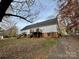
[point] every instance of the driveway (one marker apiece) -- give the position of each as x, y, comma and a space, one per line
66, 48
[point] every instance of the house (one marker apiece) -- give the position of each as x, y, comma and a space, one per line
49, 28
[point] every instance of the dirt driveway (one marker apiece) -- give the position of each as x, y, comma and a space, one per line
67, 48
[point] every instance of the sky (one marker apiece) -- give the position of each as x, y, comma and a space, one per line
46, 8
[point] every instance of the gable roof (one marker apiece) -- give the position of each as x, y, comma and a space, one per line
40, 24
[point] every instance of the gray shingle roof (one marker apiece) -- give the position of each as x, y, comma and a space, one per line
40, 24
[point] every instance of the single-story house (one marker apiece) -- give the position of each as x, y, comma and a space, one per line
49, 28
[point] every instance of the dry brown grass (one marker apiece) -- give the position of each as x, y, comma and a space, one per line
26, 48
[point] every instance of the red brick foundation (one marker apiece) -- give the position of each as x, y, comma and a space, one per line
51, 34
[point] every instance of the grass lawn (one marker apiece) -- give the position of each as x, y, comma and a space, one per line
26, 48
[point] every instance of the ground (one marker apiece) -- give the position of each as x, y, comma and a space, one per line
43, 48
34, 48
67, 48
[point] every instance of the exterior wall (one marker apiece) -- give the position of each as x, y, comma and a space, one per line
45, 35
48, 31
50, 28
27, 32
51, 34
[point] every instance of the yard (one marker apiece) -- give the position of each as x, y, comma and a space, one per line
26, 48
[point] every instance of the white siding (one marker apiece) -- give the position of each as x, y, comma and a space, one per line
28, 31
50, 28
45, 29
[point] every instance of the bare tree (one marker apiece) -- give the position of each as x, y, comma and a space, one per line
17, 8
69, 11
4, 4
7, 23
12, 32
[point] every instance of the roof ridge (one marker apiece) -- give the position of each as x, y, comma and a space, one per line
44, 23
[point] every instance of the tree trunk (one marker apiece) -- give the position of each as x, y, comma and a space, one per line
3, 7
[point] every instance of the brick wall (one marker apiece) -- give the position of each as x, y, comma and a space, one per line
51, 34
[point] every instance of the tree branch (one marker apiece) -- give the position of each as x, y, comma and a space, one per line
4, 4
19, 17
